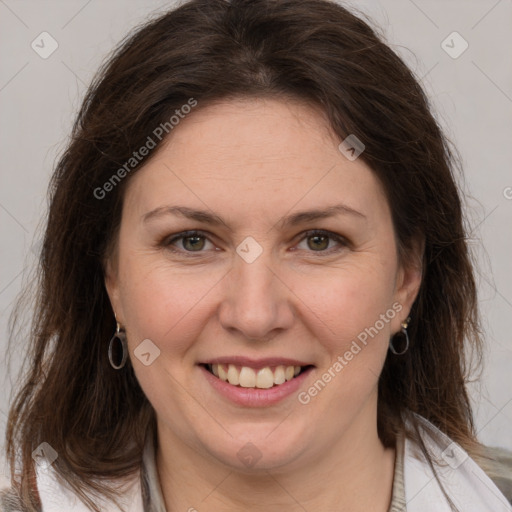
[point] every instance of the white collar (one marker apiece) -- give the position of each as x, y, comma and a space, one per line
56, 497
470, 489
464, 481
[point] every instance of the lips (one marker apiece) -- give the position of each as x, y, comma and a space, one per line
255, 396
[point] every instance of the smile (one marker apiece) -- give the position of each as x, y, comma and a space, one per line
261, 378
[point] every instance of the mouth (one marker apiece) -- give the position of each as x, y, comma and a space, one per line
256, 378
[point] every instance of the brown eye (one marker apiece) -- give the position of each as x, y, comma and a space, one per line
191, 241
319, 241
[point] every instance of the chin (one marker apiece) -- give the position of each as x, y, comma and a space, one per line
266, 450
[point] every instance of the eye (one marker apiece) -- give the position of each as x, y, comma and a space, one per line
191, 241
318, 240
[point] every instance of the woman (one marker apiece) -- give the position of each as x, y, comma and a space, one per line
255, 286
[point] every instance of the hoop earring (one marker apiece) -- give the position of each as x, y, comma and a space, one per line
403, 329
121, 337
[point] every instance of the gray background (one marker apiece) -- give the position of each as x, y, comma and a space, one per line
471, 95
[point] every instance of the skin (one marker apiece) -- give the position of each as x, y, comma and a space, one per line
253, 162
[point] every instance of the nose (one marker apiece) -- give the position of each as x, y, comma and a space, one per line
256, 303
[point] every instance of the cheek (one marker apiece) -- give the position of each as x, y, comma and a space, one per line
355, 306
348, 300
167, 306
163, 303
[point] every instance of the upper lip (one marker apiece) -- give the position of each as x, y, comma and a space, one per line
256, 363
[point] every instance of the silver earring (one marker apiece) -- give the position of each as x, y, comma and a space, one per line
403, 329
119, 336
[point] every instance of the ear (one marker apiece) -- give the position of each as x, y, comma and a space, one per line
111, 276
408, 280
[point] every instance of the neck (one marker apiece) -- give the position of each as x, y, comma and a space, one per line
355, 474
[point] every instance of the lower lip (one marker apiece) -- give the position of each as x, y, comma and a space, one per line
255, 397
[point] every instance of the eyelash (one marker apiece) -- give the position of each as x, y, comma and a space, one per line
313, 232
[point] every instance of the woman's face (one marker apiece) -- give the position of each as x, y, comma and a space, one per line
256, 287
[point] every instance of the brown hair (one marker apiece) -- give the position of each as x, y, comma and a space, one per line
313, 50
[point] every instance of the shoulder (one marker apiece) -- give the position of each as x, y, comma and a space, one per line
498, 467
491, 462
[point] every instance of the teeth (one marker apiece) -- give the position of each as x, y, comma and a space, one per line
222, 373
264, 378
279, 376
233, 375
246, 377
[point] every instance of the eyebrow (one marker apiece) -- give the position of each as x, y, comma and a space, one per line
288, 221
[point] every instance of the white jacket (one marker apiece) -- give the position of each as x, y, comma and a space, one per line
470, 489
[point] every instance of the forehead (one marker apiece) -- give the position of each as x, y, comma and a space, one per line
254, 157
